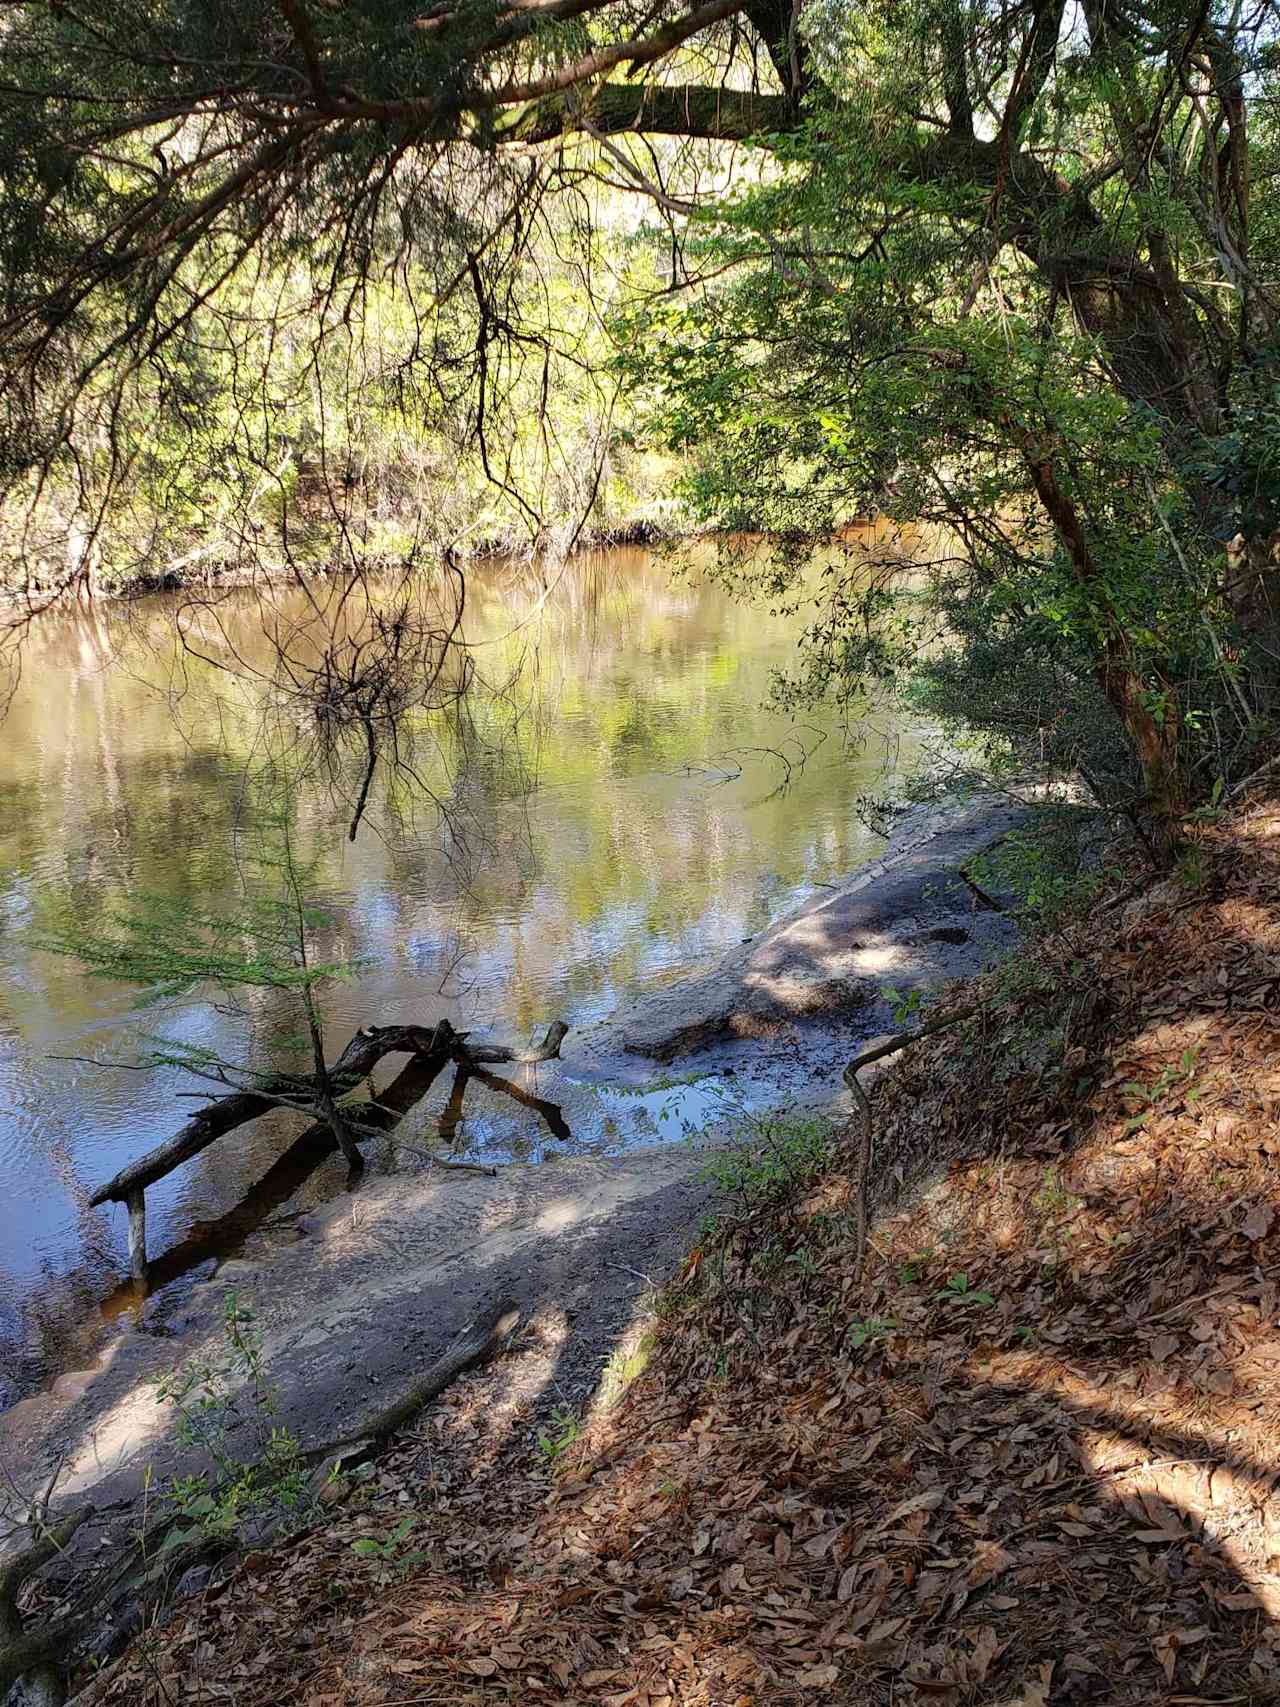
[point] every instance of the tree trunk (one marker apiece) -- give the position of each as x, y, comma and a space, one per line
1152, 727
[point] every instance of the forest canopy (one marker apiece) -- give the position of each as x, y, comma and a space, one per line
1005, 276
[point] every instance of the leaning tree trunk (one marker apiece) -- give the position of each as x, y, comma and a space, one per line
1153, 733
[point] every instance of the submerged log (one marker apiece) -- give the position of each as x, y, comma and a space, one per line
490, 1053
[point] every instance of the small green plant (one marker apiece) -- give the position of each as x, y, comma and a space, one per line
1211, 810
803, 1259
561, 1432
384, 1552
911, 1271
1053, 1198
959, 1290
903, 1004
774, 1154
769, 1258
265, 1473
1191, 871
864, 1333
626, 1364
1045, 866
1148, 1097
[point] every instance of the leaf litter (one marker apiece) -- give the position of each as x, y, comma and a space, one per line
1048, 1476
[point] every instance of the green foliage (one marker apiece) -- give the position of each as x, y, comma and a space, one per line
905, 1005
387, 1554
861, 1334
1179, 1080
170, 948
997, 282
853, 356
1048, 866
560, 1433
959, 1290
771, 1156
228, 1411
1053, 1197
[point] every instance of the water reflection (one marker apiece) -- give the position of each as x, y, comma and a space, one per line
589, 850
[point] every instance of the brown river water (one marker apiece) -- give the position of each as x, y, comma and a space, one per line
627, 826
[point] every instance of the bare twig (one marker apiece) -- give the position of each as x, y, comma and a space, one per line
877, 1052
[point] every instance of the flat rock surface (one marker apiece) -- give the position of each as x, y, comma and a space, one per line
377, 1289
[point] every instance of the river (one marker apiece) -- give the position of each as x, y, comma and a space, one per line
629, 819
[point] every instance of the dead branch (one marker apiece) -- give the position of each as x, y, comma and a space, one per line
878, 1051
980, 894
476, 1345
451, 1167
489, 1053
25, 1653
365, 1050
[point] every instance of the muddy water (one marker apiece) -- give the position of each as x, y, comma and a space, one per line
619, 820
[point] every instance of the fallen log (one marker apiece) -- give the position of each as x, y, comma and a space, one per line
365, 1050
474, 1346
291, 1170
304, 1094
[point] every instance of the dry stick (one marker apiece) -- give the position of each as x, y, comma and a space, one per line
985, 900
440, 1162
890, 1046
476, 1345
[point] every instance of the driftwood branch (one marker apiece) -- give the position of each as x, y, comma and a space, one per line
491, 1053
877, 1052
448, 1166
475, 1345
365, 1050
345, 1126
